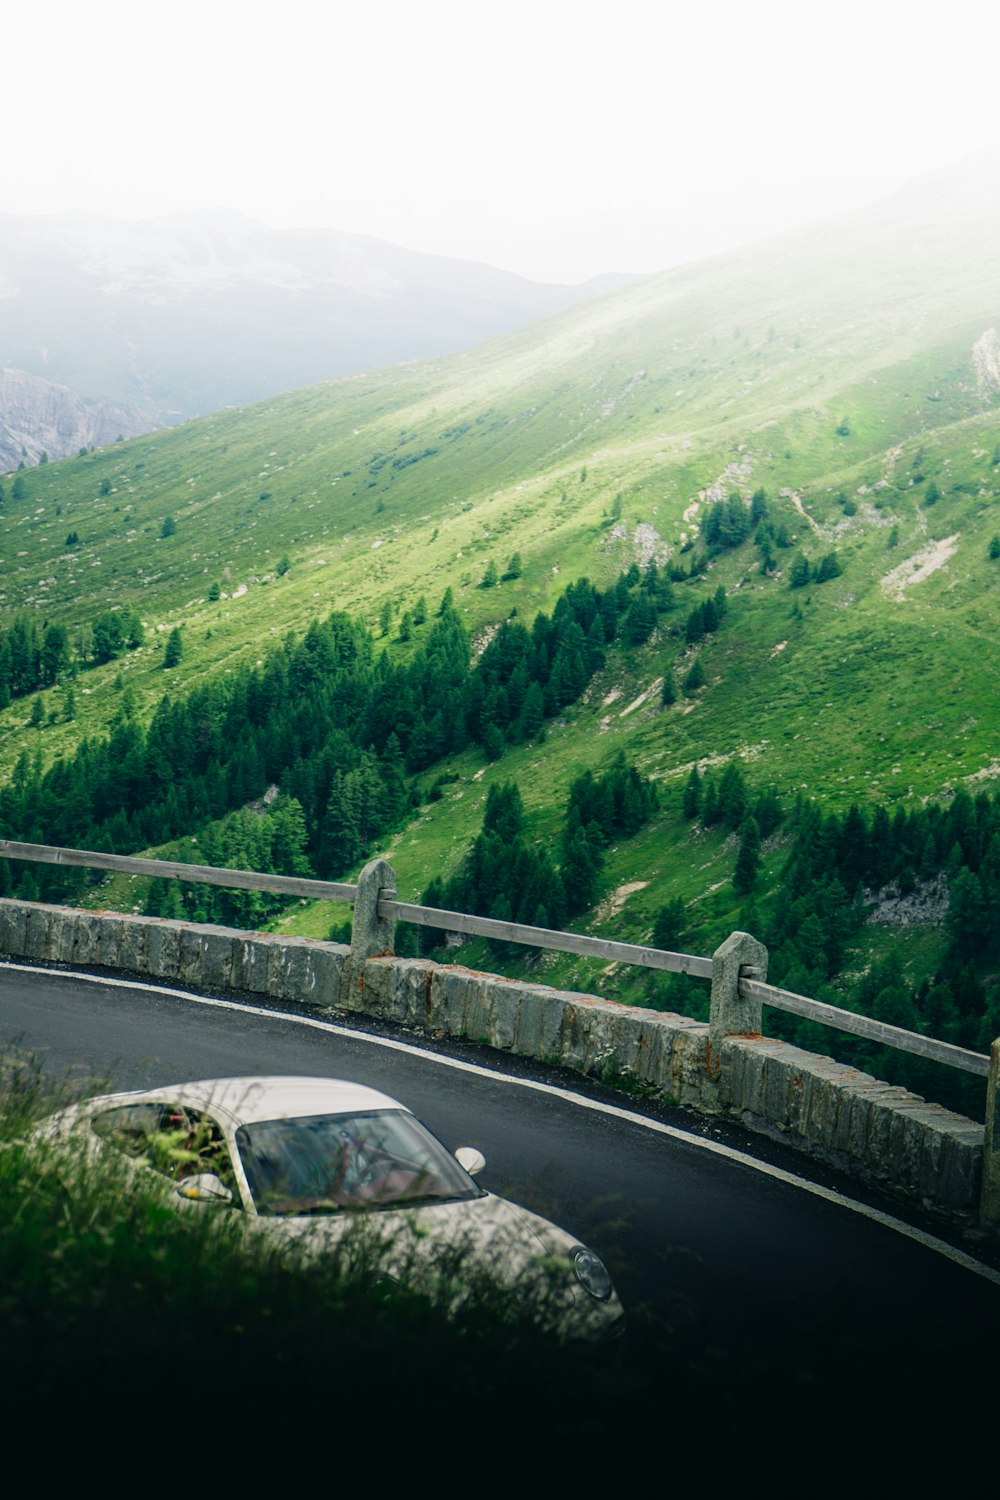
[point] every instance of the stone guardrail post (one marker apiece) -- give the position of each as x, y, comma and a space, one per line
371, 934
729, 1013
989, 1201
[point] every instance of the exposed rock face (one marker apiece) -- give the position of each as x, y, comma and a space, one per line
986, 362
38, 417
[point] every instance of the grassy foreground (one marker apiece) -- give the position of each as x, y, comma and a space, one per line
116, 1305
121, 1318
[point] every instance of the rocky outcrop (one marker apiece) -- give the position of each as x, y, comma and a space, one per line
986, 362
39, 417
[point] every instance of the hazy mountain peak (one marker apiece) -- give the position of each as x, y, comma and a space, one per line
171, 317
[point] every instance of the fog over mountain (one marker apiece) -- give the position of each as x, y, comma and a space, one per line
147, 324
735, 525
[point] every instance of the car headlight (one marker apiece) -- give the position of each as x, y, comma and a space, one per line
592, 1273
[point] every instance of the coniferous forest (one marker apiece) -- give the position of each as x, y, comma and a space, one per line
770, 707
341, 731
304, 764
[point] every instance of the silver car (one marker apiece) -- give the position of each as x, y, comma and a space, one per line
311, 1161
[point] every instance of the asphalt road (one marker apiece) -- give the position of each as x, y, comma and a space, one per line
728, 1258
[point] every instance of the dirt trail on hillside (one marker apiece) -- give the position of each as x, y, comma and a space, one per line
612, 905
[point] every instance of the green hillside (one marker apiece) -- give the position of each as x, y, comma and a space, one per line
851, 373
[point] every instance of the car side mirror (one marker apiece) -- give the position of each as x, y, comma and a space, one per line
204, 1188
472, 1160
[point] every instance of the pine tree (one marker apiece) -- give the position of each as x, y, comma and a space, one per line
640, 620
732, 801
748, 858
594, 649
341, 833
694, 630
800, 572
668, 692
285, 826
767, 811
174, 649
695, 678
852, 850
54, 655
581, 869
692, 794
879, 863
669, 924
532, 713
966, 917
108, 640
493, 742
504, 814
391, 774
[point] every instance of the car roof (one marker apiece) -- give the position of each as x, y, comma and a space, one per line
269, 1098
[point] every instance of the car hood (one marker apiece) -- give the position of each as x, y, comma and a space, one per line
487, 1228
451, 1250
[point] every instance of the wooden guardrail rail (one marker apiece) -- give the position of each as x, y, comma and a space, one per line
544, 937
874, 1031
736, 1004
165, 869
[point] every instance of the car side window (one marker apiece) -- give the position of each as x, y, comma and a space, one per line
171, 1138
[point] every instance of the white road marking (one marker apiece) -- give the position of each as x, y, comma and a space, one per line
899, 1226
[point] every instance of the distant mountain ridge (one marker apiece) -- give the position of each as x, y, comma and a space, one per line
171, 318
802, 434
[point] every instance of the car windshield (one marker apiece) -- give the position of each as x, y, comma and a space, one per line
322, 1164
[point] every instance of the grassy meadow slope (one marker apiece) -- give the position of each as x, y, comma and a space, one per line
847, 370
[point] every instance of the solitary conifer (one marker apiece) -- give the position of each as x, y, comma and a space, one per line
174, 649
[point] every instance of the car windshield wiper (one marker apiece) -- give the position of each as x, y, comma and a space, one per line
296, 1210
418, 1200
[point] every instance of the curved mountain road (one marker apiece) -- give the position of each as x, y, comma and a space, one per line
691, 1218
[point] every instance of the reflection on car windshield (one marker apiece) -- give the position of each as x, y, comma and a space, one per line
325, 1163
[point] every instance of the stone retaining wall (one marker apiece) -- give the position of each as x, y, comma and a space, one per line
918, 1151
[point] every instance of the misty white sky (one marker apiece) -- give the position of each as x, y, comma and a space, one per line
558, 138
